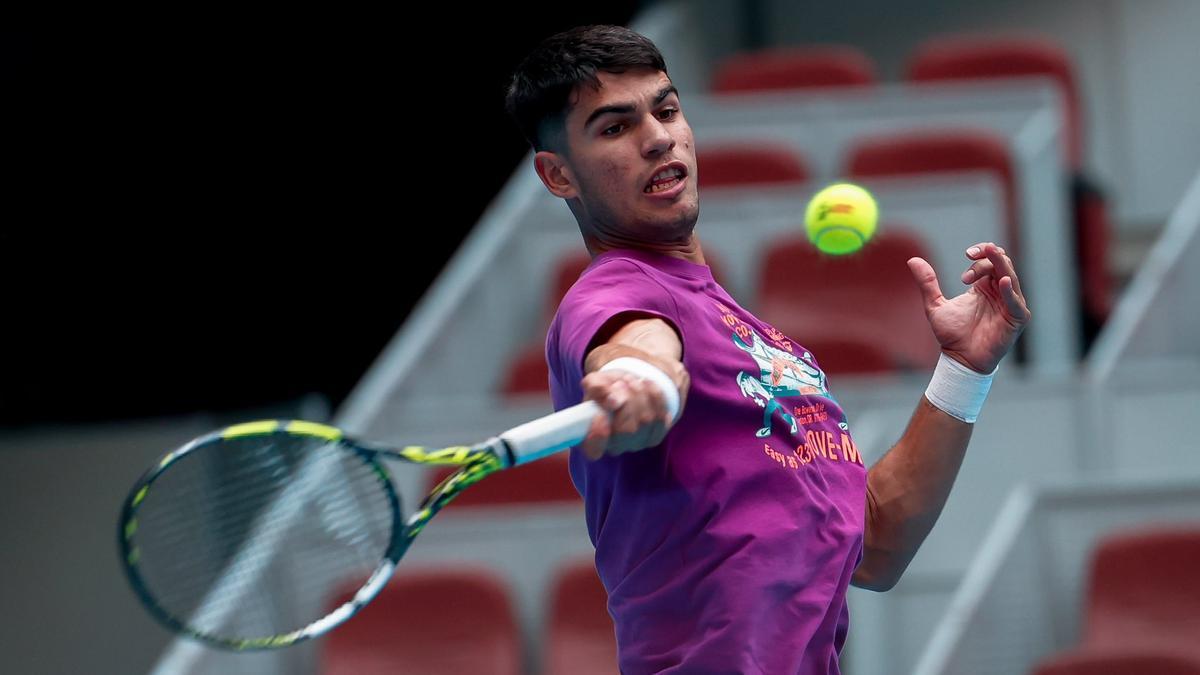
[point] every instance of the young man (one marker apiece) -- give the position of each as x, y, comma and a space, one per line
727, 541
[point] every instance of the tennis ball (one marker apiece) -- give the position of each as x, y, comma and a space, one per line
841, 218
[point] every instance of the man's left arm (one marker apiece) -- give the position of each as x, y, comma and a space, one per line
908, 487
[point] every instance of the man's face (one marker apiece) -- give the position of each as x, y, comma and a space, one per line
630, 160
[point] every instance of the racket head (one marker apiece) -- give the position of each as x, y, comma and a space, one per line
218, 535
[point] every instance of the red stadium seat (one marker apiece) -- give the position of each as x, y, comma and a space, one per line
442, 622
1093, 232
924, 152
794, 68
1098, 661
1141, 607
851, 355
541, 482
580, 639
986, 58
528, 373
1145, 587
748, 164
566, 272
981, 58
865, 308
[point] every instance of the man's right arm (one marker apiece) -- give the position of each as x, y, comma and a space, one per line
637, 409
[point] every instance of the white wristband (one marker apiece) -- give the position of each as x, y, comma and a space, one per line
957, 390
647, 371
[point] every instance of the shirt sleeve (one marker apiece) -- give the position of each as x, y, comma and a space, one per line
613, 287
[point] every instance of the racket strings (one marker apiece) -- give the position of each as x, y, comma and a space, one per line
245, 539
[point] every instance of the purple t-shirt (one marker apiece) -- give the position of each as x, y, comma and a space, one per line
727, 548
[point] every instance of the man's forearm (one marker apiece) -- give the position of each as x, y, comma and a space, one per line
906, 491
651, 340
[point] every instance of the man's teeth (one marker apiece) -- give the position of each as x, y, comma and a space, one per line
664, 180
659, 187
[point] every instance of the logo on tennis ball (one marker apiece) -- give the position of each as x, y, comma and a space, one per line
841, 218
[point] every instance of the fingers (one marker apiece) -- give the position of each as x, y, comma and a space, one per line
977, 271
926, 278
1004, 266
636, 414
641, 420
600, 388
597, 437
1014, 300
977, 251
992, 262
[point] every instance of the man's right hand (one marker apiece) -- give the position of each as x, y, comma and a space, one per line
638, 415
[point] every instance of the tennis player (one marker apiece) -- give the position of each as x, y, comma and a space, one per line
727, 542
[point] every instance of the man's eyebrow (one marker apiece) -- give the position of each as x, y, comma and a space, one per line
622, 108
664, 93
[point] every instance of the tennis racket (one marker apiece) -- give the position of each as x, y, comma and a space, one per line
221, 537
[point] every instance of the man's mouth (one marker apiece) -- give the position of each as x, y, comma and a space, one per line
664, 180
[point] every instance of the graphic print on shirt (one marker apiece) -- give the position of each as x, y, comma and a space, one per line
780, 374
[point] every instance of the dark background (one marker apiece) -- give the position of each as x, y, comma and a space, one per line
214, 213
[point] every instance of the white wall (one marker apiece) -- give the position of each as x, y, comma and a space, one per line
1159, 87
67, 606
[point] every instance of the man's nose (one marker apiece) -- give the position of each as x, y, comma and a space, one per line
658, 139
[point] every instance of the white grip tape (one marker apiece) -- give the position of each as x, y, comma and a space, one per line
552, 433
650, 373
957, 390
568, 427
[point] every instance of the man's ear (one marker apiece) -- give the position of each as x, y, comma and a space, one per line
556, 174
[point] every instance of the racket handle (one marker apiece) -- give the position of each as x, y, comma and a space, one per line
550, 434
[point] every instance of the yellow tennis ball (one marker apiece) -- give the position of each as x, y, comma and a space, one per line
841, 218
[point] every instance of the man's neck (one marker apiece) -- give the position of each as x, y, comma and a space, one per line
691, 250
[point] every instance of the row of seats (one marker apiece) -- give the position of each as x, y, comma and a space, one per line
1140, 616
898, 154
1142, 607
957, 59
941, 59
461, 620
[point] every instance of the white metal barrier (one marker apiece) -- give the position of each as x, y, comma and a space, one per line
1020, 601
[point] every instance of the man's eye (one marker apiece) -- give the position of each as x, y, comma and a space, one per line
667, 114
613, 130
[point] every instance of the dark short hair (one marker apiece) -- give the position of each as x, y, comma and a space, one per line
540, 91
